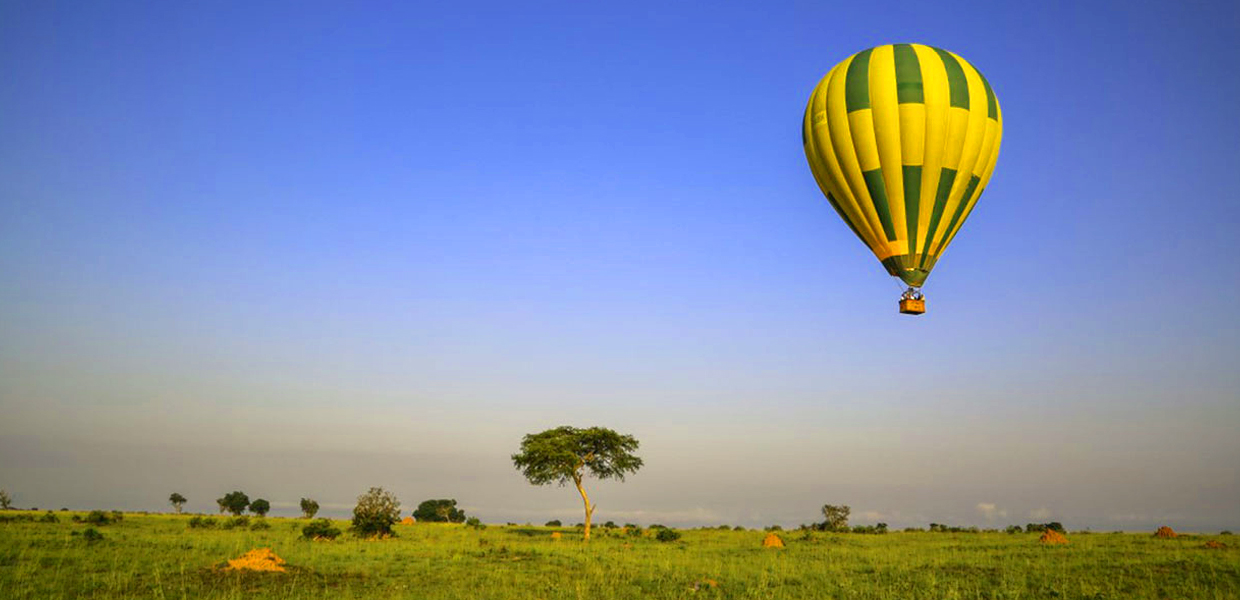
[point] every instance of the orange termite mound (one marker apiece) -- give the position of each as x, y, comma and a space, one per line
772, 541
1213, 545
261, 559
1164, 532
1050, 536
555, 535
407, 521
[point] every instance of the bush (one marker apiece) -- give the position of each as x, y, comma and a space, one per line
201, 522
666, 535
49, 517
1013, 529
738, 528
610, 525
236, 522
320, 529
634, 531
376, 512
98, 517
871, 529
260, 525
1224, 532
774, 528
1041, 527
92, 535
476, 523
554, 523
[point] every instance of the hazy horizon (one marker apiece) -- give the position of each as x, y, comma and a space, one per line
305, 252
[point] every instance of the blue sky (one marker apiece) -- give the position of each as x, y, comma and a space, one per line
379, 243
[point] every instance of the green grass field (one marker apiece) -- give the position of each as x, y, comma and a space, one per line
158, 556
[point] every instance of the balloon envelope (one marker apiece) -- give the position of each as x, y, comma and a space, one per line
902, 140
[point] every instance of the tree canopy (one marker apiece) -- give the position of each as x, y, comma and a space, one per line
177, 501
309, 508
565, 454
260, 507
439, 511
234, 502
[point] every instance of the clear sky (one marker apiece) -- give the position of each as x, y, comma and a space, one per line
305, 249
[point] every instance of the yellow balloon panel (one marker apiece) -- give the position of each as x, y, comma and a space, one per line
902, 140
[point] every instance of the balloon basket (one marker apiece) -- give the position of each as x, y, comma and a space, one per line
912, 302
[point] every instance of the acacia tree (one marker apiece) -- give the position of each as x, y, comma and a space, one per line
177, 501
567, 454
6, 501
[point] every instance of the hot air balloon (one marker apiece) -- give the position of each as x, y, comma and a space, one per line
902, 140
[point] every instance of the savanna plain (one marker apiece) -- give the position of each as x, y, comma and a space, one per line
160, 556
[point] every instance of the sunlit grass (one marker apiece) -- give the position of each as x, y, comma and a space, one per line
158, 556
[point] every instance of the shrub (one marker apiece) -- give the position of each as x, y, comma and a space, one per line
98, 517
201, 522
774, 528
49, 517
738, 528
320, 529
554, 523
1041, 527
476, 523
260, 525
235, 522
92, 535
1224, 532
666, 535
610, 525
1013, 529
632, 526
634, 531
872, 529
376, 512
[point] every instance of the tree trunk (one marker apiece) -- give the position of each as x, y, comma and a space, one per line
585, 500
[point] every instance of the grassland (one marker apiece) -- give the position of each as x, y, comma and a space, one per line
158, 556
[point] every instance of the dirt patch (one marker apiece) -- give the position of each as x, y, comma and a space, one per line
1165, 532
772, 541
1213, 545
260, 559
703, 585
1050, 536
407, 521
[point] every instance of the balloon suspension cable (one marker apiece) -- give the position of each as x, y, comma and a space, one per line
912, 293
